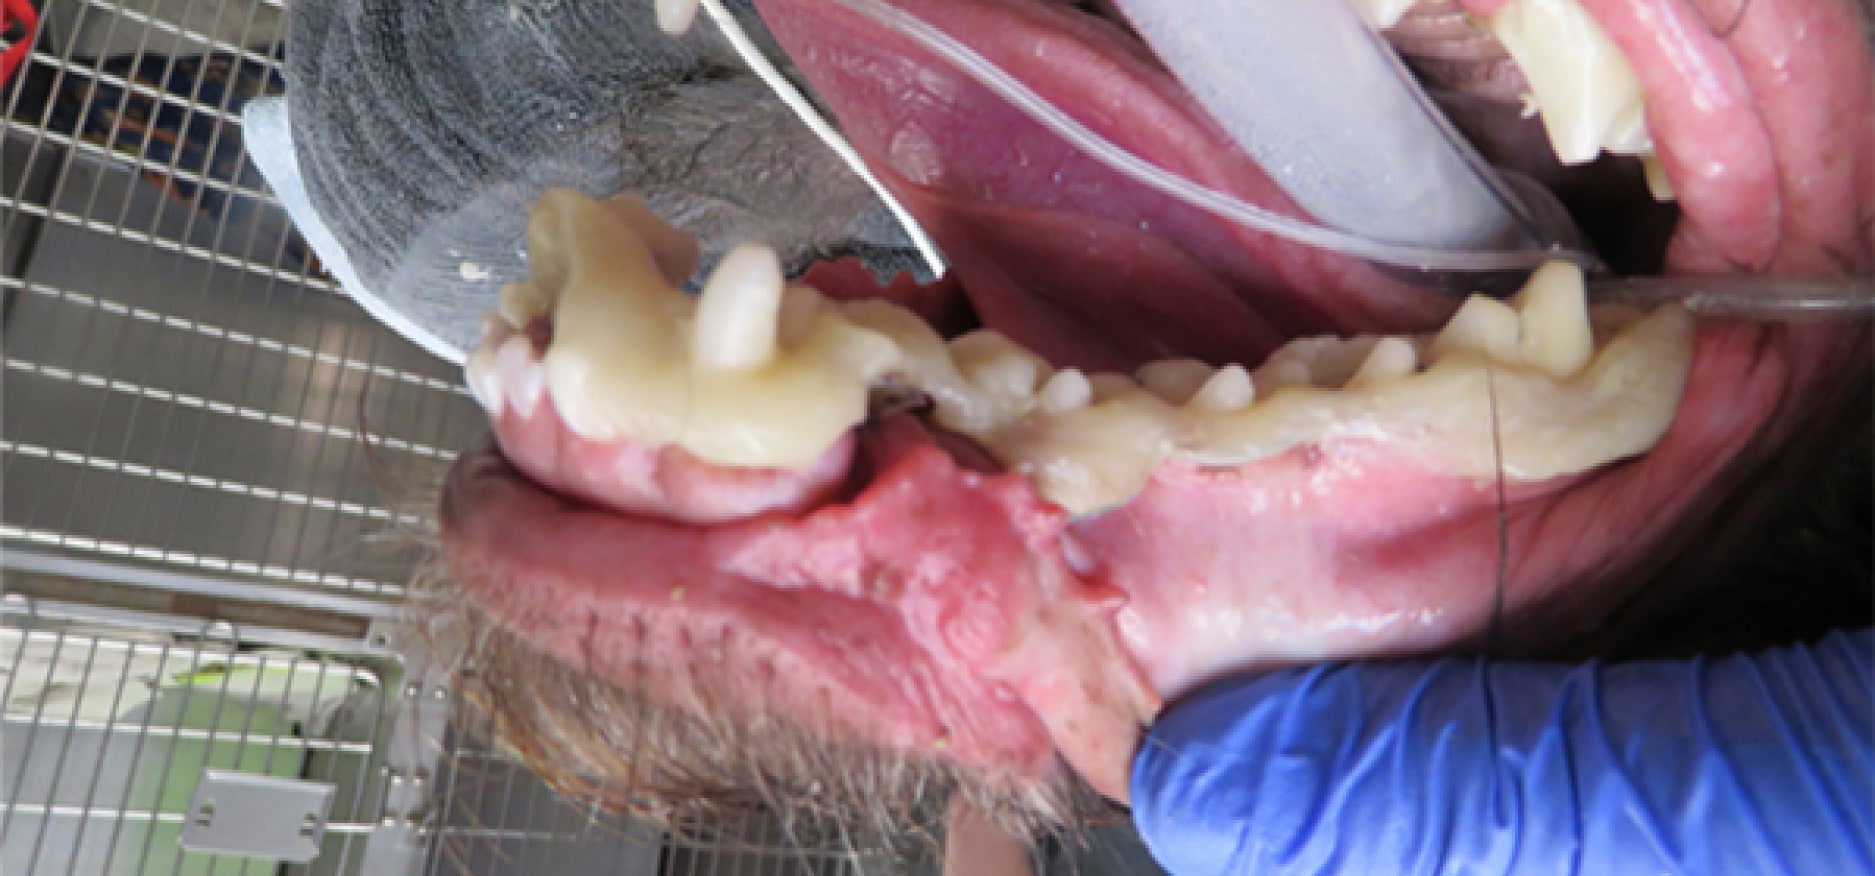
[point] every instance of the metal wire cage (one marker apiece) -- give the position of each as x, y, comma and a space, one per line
203, 673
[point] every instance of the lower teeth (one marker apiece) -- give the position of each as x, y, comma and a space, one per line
1560, 388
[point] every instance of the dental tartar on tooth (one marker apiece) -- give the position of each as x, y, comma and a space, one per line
760, 374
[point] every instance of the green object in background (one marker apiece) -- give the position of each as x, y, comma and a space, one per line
252, 716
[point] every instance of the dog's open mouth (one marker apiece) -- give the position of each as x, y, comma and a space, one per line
999, 518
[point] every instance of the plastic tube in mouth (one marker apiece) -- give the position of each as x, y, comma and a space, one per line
1521, 251
1323, 104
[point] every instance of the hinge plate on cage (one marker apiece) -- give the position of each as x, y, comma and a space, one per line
257, 816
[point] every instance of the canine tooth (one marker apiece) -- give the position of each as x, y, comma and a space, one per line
479, 374
1390, 359
1485, 325
1657, 183
1587, 92
738, 311
523, 375
1068, 390
1108, 386
1230, 389
1174, 380
1555, 320
675, 16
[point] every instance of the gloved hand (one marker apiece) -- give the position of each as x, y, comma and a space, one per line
1748, 764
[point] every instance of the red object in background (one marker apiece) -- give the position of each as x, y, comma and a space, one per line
16, 14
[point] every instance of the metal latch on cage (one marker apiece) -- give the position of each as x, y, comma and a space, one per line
257, 816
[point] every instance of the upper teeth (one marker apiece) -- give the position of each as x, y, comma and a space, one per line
760, 374
1585, 89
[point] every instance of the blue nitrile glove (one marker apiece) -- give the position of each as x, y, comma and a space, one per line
1748, 764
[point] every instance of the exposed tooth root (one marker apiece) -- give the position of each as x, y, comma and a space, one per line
738, 311
1658, 184
1110, 386
479, 373
1068, 390
1230, 389
1174, 380
1483, 325
523, 375
675, 16
1389, 360
1555, 320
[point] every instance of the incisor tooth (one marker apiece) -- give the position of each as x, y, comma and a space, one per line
1390, 359
1555, 320
1068, 390
675, 16
523, 375
1484, 325
1588, 94
1174, 380
738, 311
1230, 389
479, 373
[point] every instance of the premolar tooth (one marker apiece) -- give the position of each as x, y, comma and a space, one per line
1281, 373
523, 375
1230, 389
1555, 320
1390, 359
1485, 325
1068, 390
479, 373
994, 363
738, 311
675, 16
1109, 386
1174, 380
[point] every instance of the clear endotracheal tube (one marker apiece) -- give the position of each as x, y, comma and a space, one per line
1402, 190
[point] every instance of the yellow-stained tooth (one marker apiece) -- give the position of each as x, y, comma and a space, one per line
1066, 391
1485, 325
1174, 381
995, 364
1107, 387
739, 312
1555, 320
1390, 359
1587, 92
1230, 389
1658, 184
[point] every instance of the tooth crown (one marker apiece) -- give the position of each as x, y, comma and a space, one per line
758, 374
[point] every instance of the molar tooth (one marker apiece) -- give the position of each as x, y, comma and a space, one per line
1174, 380
1281, 373
1068, 390
1390, 359
479, 373
1230, 389
738, 311
524, 375
1482, 324
1555, 319
675, 16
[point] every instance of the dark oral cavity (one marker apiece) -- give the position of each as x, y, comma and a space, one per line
1354, 554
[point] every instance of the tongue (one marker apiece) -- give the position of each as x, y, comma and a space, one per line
1053, 248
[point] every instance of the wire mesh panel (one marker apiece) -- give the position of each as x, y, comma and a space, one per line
182, 384
109, 730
